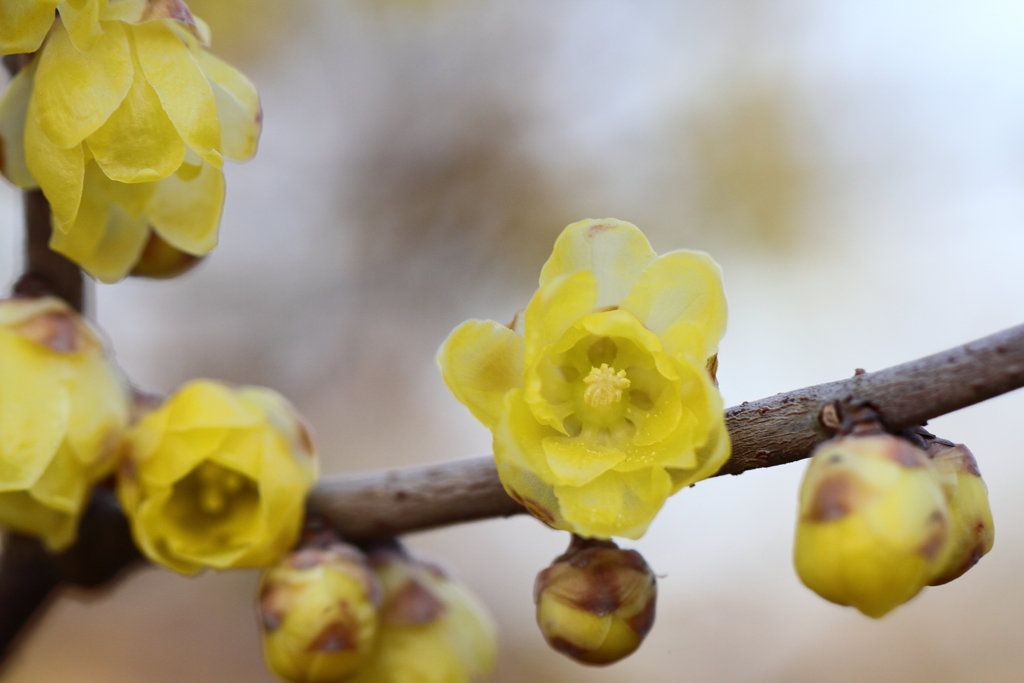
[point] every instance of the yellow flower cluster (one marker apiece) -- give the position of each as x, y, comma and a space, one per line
327, 617
880, 519
63, 410
604, 405
214, 477
217, 477
122, 118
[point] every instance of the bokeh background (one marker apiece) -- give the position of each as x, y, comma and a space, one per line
857, 167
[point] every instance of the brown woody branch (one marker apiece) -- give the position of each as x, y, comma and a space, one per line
772, 431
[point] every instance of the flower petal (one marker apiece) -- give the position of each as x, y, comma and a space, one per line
238, 106
23, 25
13, 112
615, 503
616, 251
82, 19
186, 210
559, 303
481, 361
105, 239
58, 171
184, 92
76, 92
576, 462
138, 143
680, 298
34, 402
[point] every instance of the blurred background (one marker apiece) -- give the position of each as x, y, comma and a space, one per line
857, 168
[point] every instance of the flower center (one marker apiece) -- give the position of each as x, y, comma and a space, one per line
605, 385
217, 486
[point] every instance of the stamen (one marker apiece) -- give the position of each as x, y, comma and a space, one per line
606, 386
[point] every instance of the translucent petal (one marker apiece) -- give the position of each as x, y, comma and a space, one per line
238, 106
615, 503
130, 11
76, 92
19, 511
34, 411
555, 307
13, 112
481, 361
183, 90
576, 462
23, 25
680, 298
105, 238
186, 210
63, 486
616, 251
138, 143
82, 19
58, 171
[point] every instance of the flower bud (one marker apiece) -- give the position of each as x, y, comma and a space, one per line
318, 612
63, 411
596, 602
432, 629
160, 261
971, 528
874, 523
217, 477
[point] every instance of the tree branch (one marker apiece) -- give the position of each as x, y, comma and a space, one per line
772, 431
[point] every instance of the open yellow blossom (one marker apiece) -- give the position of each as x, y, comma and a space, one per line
63, 410
604, 406
126, 131
217, 477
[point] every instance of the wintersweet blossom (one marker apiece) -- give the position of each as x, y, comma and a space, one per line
217, 477
63, 411
604, 405
123, 123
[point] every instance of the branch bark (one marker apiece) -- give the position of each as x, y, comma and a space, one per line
772, 431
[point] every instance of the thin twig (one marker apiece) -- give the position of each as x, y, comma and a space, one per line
772, 431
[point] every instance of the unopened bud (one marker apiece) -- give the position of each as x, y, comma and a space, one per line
874, 523
432, 629
160, 261
318, 612
971, 528
596, 602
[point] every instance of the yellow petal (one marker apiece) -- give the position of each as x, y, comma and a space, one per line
105, 239
138, 143
576, 462
82, 19
58, 171
34, 411
616, 251
13, 111
186, 210
76, 92
23, 25
481, 361
555, 306
238, 106
63, 486
680, 298
130, 11
183, 90
19, 511
615, 503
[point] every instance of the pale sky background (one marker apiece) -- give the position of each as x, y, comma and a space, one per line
857, 168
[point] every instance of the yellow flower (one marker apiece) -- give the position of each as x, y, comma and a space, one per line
874, 525
596, 602
604, 406
125, 131
318, 612
432, 630
217, 477
63, 410
972, 531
